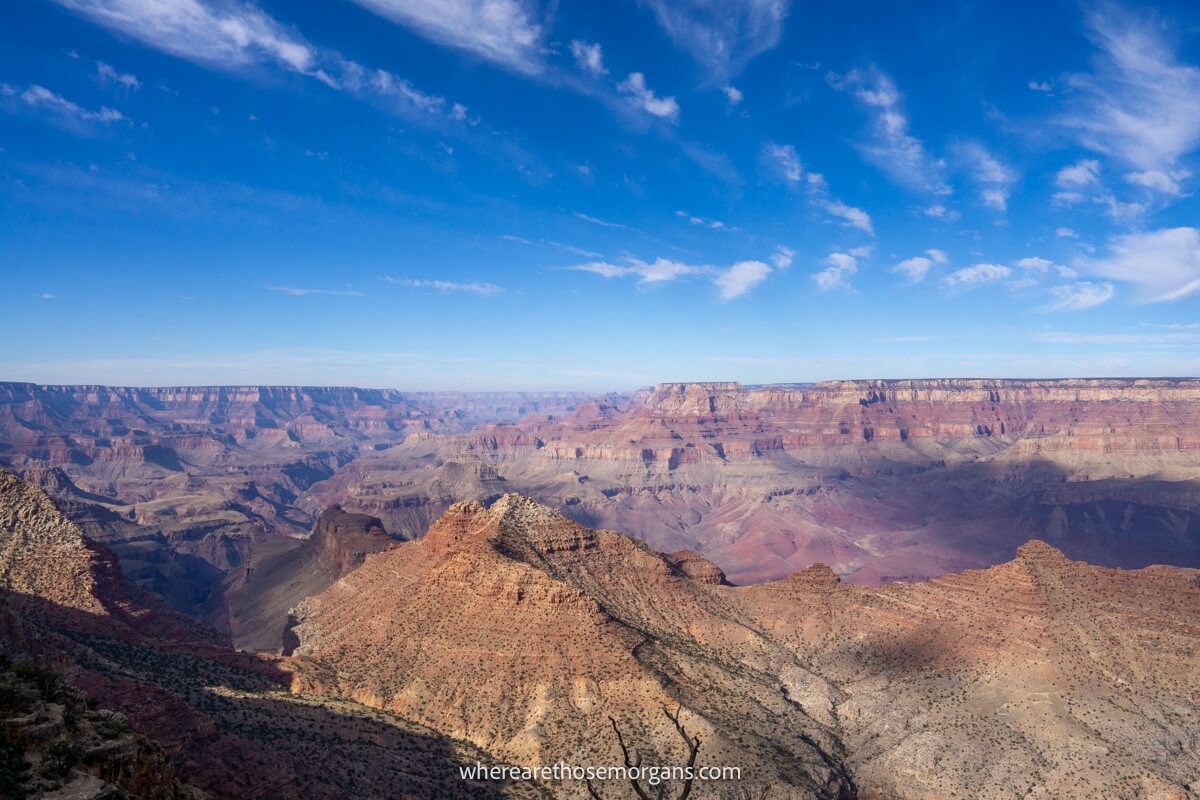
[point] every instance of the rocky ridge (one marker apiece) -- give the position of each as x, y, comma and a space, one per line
225, 719
522, 631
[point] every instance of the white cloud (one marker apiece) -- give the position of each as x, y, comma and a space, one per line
704, 222
1065, 233
570, 248
658, 271
40, 97
603, 223
893, 149
783, 256
227, 35
48, 296
1080, 296
1040, 86
732, 94
233, 35
109, 74
722, 36
589, 57
837, 275
731, 282
444, 286
1084, 172
661, 107
915, 268
977, 275
1119, 209
852, 217
1130, 105
502, 31
1164, 264
995, 177
1158, 181
1035, 264
741, 278
939, 211
783, 161
293, 291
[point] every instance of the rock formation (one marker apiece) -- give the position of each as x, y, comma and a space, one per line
883, 480
224, 719
280, 573
521, 631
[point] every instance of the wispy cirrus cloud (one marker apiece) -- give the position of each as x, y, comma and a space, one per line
1129, 105
660, 270
474, 287
603, 223
1163, 265
232, 35
39, 98
783, 162
994, 177
1080, 296
296, 291
225, 35
722, 36
110, 74
892, 147
731, 282
505, 32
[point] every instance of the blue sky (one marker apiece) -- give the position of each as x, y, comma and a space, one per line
494, 194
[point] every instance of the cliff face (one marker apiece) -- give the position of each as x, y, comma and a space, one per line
255, 602
223, 720
183, 483
522, 631
883, 480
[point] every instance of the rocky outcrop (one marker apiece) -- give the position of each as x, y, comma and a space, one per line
522, 631
53, 745
517, 629
223, 718
254, 605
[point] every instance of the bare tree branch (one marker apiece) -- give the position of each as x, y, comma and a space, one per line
693, 743
636, 762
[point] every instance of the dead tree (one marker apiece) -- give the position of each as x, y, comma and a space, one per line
634, 761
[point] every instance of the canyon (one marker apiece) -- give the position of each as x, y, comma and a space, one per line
204, 492
511, 634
